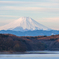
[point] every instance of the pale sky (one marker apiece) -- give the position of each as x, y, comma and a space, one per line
45, 12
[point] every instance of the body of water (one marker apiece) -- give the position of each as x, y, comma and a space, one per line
54, 55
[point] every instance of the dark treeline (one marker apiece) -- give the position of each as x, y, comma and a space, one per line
12, 43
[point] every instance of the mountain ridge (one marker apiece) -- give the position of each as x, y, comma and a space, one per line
12, 43
31, 33
24, 24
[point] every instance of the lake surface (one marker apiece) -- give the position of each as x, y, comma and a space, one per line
54, 55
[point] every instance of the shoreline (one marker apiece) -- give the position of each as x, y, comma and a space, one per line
32, 52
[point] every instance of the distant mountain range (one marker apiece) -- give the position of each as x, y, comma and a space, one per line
24, 24
31, 33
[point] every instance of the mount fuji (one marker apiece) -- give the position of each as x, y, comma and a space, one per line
24, 24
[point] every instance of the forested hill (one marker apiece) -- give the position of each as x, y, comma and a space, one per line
13, 43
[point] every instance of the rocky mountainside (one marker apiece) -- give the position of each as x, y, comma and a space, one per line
12, 43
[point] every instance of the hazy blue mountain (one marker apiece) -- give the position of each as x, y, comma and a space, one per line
31, 33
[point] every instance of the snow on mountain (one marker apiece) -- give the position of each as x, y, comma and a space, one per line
24, 24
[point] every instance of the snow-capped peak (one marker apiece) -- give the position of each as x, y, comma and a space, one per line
23, 24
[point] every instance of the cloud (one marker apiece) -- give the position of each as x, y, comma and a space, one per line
52, 23
30, 8
8, 16
54, 19
16, 2
31, 3
19, 8
10, 2
54, 0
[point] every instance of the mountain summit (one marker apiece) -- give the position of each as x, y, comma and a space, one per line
24, 24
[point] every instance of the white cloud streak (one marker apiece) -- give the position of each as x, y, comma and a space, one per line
16, 2
54, 0
8, 16
55, 19
31, 3
13, 2
41, 4
30, 8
